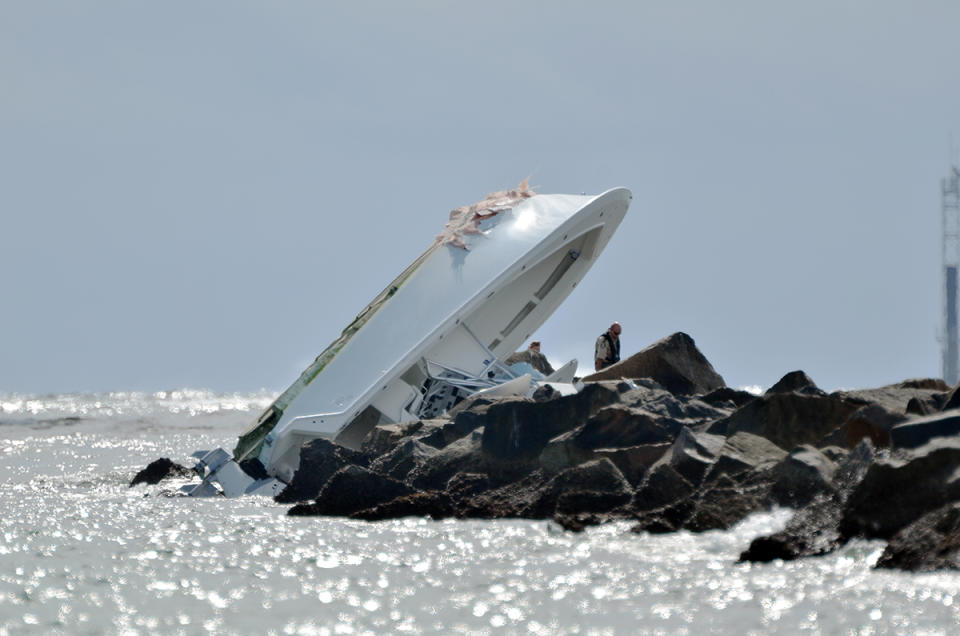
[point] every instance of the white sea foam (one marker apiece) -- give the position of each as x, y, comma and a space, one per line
82, 553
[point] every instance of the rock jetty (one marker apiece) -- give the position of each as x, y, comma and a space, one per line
659, 439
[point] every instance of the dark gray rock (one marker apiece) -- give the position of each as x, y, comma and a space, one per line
725, 502
789, 419
692, 454
932, 542
158, 470
663, 487
674, 362
634, 461
519, 430
728, 398
620, 426
350, 490
563, 452
795, 382
815, 528
801, 476
464, 455
408, 456
898, 490
918, 431
428, 503
812, 531
384, 437
319, 459
743, 453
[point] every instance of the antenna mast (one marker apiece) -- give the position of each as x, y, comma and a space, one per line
950, 206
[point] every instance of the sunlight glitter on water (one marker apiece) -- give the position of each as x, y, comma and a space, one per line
82, 553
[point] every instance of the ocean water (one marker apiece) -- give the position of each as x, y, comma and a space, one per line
81, 553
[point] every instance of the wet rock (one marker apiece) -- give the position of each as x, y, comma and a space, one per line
464, 485
812, 531
932, 542
428, 503
160, 469
595, 486
795, 382
352, 489
319, 459
789, 419
897, 490
725, 503
815, 528
674, 362
515, 499
918, 431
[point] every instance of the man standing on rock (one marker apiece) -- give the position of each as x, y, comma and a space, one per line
607, 351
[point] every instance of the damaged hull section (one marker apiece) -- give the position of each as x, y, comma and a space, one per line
436, 334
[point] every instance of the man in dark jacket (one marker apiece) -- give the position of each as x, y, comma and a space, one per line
607, 350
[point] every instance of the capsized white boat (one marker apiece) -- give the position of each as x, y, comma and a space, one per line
435, 335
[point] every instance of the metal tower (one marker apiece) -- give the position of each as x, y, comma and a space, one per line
950, 198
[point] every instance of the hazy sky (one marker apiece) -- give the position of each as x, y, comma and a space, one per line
203, 194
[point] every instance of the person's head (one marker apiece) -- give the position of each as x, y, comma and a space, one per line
615, 329
535, 346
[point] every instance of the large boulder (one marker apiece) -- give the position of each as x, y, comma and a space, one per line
725, 502
789, 419
662, 487
674, 362
634, 461
898, 490
351, 489
618, 426
408, 456
742, 454
463, 456
519, 430
815, 528
932, 542
320, 458
801, 476
595, 486
692, 454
